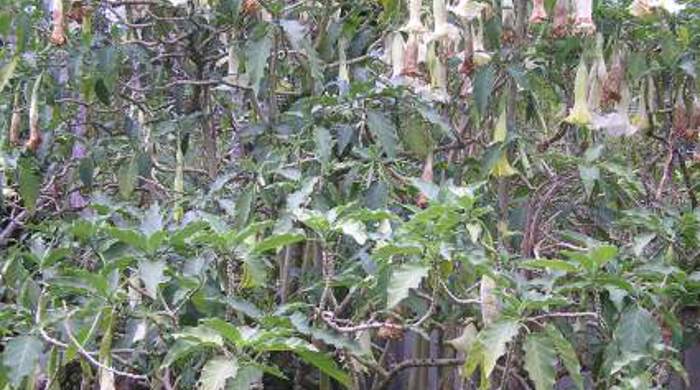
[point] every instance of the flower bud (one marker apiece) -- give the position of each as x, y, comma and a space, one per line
580, 114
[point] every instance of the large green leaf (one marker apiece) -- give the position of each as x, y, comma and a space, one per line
384, 131
566, 354
29, 182
404, 278
152, 273
483, 87
277, 241
326, 365
216, 372
490, 346
7, 72
256, 53
540, 360
21, 356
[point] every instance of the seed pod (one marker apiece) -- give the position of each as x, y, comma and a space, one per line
34, 140
15, 121
539, 13
58, 34
580, 114
584, 17
561, 18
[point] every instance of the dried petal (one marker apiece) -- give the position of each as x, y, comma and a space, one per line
580, 114
611, 87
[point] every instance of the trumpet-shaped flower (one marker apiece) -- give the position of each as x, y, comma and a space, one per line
467, 10
438, 74
58, 34
584, 17
397, 49
643, 8
443, 30
597, 75
502, 167
481, 56
539, 13
580, 114
414, 25
561, 18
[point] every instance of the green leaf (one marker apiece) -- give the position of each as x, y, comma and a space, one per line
404, 278
601, 255
102, 92
245, 378
566, 354
29, 182
637, 331
552, 264
490, 346
589, 174
127, 178
277, 241
324, 144
217, 371
179, 350
355, 229
7, 72
326, 365
21, 356
384, 131
256, 53
540, 360
152, 273
225, 329
244, 307
483, 86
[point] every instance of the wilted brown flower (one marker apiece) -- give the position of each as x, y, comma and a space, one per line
561, 18
58, 34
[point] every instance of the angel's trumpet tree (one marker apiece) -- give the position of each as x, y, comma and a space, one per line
502, 167
584, 17
561, 18
539, 13
58, 34
580, 114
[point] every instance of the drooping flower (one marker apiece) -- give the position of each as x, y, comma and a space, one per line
481, 56
15, 121
426, 176
415, 30
35, 138
507, 20
467, 10
502, 167
438, 73
597, 75
442, 30
644, 8
580, 114
584, 17
539, 13
58, 34
397, 49
561, 18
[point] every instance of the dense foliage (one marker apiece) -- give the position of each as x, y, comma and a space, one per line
234, 194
